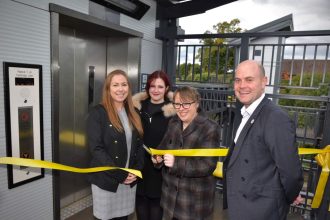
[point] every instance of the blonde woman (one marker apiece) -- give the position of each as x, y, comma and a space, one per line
115, 139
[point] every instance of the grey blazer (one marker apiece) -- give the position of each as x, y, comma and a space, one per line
263, 174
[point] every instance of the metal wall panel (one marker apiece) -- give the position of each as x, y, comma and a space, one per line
133, 62
117, 54
151, 48
124, 53
80, 55
151, 56
77, 5
25, 38
146, 24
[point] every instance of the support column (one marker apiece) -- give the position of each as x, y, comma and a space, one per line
167, 32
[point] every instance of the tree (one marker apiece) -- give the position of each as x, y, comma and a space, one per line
186, 72
216, 55
222, 28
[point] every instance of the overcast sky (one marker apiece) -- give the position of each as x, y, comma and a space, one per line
307, 15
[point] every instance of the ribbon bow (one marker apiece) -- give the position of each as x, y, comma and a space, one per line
323, 160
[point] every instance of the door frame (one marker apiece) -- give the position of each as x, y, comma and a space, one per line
61, 16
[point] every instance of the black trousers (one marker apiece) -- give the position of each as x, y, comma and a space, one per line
148, 208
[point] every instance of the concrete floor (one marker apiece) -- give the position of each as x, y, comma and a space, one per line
218, 214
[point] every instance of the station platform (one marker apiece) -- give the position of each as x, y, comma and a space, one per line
219, 213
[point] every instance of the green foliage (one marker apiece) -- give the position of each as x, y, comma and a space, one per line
217, 55
222, 28
187, 73
220, 57
320, 90
216, 58
303, 119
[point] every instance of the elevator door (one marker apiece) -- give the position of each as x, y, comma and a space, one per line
82, 61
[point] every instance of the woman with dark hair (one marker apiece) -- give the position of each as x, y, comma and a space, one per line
188, 184
155, 110
115, 133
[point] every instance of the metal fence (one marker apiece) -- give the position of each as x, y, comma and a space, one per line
298, 81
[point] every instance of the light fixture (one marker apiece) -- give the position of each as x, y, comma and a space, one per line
132, 8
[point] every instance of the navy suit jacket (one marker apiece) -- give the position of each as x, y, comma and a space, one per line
263, 173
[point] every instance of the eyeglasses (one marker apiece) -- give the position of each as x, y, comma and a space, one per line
184, 105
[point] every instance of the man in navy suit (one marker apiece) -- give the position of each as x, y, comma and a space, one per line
263, 174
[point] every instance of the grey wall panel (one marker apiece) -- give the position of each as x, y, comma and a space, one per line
103, 13
146, 24
151, 56
25, 38
77, 5
151, 48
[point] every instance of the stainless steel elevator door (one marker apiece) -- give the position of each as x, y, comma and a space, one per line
82, 61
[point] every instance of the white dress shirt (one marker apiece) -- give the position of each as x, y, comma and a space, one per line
246, 113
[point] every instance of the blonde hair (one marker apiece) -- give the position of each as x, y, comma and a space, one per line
109, 106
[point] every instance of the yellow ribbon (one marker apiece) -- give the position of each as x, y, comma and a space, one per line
213, 152
216, 152
220, 152
322, 158
56, 166
218, 172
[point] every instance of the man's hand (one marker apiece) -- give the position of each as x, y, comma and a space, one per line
298, 200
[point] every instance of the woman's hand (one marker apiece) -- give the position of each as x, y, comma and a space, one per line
169, 160
130, 179
156, 159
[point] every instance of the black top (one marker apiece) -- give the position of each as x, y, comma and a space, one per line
154, 125
154, 108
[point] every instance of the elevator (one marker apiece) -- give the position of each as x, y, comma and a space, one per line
84, 50
82, 61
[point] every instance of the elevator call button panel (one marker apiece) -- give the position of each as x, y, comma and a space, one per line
24, 100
